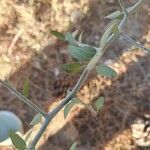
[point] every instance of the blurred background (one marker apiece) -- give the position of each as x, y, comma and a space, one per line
27, 49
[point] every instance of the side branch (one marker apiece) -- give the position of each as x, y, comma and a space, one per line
72, 94
23, 98
130, 40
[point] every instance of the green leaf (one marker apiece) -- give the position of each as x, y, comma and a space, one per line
72, 68
108, 33
17, 141
73, 146
114, 15
71, 40
37, 118
106, 71
58, 34
99, 103
84, 53
69, 106
26, 87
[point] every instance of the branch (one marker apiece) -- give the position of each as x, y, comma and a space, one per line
72, 94
130, 11
83, 77
122, 6
125, 13
23, 98
135, 7
130, 40
100, 51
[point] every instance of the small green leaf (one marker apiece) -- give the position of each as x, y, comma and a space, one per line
72, 68
37, 118
108, 33
69, 106
26, 87
99, 103
17, 141
84, 53
106, 71
71, 40
114, 15
73, 146
58, 34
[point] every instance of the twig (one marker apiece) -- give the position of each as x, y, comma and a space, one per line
135, 7
72, 94
122, 6
23, 98
80, 82
86, 72
125, 13
130, 40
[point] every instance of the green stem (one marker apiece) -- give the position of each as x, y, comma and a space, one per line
135, 7
89, 68
125, 15
122, 6
82, 79
23, 98
72, 94
130, 40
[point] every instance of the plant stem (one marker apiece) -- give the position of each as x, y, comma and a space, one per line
23, 98
100, 51
72, 94
135, 7
82, 79
125, 13
122, 6
130, 40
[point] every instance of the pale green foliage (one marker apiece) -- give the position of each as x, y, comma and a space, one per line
72, 68
99, 103
58, 34
73, 146
113, 28
104, 70
115, 15
37, 118
69, 106
82, 53
71, 40
17, 141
